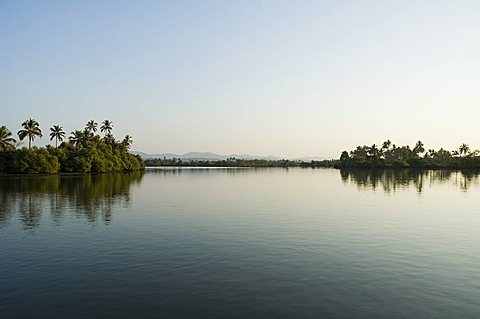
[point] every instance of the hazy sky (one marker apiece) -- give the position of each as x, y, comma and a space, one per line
289, 78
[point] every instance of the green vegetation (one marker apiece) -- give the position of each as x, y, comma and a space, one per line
57, 133
84, 152
31, 129
235, 162
391, 156
7, 142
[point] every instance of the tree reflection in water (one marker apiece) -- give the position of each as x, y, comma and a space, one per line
89, 196
394, 180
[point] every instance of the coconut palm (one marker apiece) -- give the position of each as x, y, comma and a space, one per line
87, 135
373, 151
91, 126
419, 148
127, 141
109, 139
57, 133
7, 142
31, 129
464, 149
77, 138
107, 127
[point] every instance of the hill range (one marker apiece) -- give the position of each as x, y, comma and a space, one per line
209, 156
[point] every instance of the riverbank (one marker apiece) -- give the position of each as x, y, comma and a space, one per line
452, 163
232, 162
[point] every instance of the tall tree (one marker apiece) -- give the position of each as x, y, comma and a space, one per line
7, 142
127, 141
31, 129
419, 148
107, 127
91, 126
77, 137
373, 152
386, 145
57, 133
464, 149
109, 139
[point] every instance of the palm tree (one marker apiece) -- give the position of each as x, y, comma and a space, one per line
464, 149
31, 129
109, 139
77, 138
386, 145
385, 151
373, 151
107, 127
419, 148
7, 142
91, 126
57, 133
87, 135
127, 141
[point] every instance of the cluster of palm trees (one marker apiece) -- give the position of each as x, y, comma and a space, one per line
389, 151
31, 130
464, 150
78, 137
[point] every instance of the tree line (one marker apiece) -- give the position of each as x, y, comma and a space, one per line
235, 162
84, 151
390, 155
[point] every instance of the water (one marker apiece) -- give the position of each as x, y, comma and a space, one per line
238, 243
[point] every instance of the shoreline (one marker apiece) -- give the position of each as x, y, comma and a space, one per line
376, 169
65, 173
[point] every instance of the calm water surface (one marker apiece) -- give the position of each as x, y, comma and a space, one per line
241, 243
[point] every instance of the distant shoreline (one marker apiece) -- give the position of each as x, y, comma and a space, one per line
233, 162
337, 168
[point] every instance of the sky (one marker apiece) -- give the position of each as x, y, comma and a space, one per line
285, 78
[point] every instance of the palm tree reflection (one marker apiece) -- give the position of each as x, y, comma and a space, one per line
395, 180
91, 197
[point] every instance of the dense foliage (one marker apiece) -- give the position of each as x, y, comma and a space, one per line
235, 162
391, 156
85, 152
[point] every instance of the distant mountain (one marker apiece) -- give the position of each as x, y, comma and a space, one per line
209, 156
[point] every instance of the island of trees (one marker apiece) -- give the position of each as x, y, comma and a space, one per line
391, 156
84, 151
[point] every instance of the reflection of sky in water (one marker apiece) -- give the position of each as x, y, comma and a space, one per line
304, 243
93, 197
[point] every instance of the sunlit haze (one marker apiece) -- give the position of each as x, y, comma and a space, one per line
285, 78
